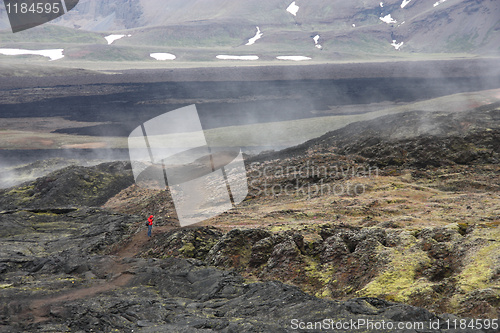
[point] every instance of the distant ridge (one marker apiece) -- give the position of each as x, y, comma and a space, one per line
349, 27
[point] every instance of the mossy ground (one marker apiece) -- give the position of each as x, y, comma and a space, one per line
399, 281
443, 273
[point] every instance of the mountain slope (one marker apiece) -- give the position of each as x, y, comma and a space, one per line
410, 138
345, 28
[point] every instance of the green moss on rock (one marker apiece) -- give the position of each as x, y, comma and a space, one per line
399, 282
479, 272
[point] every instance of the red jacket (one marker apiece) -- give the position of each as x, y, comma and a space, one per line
150, 220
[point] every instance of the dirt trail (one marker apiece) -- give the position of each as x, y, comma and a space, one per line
40, 309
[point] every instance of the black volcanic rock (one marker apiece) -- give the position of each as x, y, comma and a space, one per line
412, 139
177, 295
234, 248
28, 236
191, 243
71, 186
56, 274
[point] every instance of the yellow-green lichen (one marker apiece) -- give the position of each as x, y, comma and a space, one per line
280, 228
22, 194
187, 250
478, 272
319, 277
399, 282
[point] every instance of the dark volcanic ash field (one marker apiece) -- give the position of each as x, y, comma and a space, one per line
111, 106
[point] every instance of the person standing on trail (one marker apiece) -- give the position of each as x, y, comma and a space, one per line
150, 225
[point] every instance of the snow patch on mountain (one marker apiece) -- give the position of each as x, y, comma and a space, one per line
257, 36
233, 57
388, 19
163, 56
54, 54
111, 38
397, 46
293, 9
316, 42
439, 2
404, 3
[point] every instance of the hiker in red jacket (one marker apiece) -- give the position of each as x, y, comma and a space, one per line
150, 225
